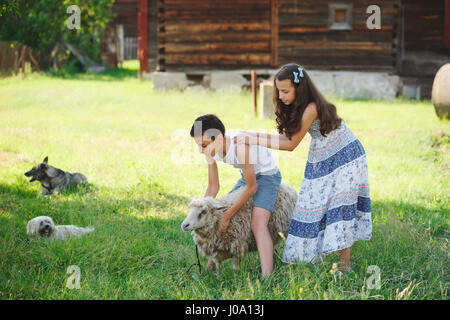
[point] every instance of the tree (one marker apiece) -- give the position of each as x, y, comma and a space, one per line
9, 6
42, 24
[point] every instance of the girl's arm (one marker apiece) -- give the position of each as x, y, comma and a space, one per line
281, 142
273, 141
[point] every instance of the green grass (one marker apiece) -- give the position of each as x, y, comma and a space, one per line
133, 145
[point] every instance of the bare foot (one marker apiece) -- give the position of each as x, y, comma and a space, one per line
345, 268
344, 260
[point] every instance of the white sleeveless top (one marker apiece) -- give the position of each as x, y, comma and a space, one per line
260, 157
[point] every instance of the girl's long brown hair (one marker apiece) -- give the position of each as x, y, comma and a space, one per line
289, 117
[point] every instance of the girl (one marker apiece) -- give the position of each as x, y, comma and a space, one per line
333, 208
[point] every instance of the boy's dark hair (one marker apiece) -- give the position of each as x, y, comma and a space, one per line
208, 122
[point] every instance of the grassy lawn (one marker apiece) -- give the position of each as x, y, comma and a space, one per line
133, 145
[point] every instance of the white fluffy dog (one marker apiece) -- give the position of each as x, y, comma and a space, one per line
44, 226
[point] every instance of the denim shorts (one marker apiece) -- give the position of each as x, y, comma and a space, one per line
268, 186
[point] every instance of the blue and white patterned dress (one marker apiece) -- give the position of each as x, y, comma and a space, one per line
333, 209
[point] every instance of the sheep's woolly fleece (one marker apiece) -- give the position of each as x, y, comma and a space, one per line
205, 220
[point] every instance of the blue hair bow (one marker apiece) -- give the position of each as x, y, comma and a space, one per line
296, 74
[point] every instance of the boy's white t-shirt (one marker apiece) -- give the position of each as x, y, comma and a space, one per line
260, 157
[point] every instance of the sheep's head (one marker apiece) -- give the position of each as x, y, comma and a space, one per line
198, 211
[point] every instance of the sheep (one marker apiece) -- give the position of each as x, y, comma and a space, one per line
205, 220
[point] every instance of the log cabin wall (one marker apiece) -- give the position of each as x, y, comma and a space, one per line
153, 6
304, 36
215, 34
239, 34
424, 24
422, 49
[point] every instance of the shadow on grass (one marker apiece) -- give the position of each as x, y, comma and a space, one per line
136, 234
435, 220
91, 204
111, 74
138, 247
23, 191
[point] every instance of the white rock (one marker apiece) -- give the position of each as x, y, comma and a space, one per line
324, 81
226, 81
169, 81
366, 85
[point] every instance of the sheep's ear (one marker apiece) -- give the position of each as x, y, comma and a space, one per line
217, 204
210, 202
45, 160
191, 198
220, 206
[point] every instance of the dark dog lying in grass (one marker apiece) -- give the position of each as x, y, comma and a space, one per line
53, 179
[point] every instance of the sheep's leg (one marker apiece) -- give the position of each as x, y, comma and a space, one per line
236, 263
218, 264
211, 265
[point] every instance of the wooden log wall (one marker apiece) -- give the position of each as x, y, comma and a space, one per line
214, 34
126, 12
424, 24
304, 36
153, 35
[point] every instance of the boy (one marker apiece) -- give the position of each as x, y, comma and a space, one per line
260, 177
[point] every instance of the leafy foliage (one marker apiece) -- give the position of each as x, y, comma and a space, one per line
9, 6
42, 24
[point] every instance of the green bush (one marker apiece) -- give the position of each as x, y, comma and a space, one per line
41, 24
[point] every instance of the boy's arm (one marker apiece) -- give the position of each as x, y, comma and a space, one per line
213, 179
242, 152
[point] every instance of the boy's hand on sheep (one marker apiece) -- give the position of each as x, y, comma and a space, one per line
225, 223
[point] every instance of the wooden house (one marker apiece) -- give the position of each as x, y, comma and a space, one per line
412, 39
319, 34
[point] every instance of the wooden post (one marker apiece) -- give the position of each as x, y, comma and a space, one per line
403, 32
274, 34
33, 60
447, 24
143, 36
266, 106
254, 90
22, 58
